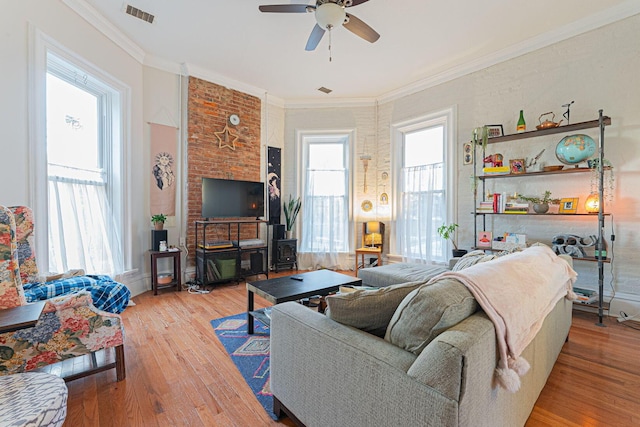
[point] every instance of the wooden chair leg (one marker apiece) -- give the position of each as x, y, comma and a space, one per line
120, 368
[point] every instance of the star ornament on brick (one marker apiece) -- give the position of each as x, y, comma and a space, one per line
226, 138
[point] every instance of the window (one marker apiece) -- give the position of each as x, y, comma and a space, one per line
83, 167
424, 188
325, 198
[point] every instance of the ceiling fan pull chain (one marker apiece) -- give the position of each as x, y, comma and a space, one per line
329, 44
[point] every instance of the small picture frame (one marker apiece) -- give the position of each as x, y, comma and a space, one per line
494, 131
517, 166
484, 239
467, 153
568, 205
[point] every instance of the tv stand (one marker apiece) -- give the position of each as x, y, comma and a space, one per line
221, 258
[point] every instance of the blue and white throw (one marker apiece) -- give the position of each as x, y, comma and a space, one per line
107, 294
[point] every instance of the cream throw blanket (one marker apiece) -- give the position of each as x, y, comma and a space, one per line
517, 292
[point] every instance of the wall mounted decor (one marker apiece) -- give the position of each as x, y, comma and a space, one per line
467, 153
226, 138
366, 205
274, 155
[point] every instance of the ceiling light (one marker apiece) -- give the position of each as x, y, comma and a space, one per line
330, 15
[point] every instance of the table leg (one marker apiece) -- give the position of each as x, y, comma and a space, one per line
249, 310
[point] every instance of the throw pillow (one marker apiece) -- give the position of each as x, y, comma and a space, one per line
428, 311
368, 310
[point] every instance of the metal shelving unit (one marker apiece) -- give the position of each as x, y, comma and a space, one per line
600, 123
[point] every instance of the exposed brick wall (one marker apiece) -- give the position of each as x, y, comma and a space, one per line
209, 108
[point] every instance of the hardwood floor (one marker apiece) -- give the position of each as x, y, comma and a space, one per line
178, 373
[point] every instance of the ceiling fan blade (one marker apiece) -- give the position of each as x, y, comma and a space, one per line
284, 8
315, 37
359, 28
357, 2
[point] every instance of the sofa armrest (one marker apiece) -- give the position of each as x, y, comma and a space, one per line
455, 355
327, 373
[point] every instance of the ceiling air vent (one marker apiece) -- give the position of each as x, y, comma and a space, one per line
325, 90
140, 14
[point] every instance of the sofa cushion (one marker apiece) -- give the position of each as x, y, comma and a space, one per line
401, 272
428, 311
368, 310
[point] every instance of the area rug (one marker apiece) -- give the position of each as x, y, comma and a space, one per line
250, 354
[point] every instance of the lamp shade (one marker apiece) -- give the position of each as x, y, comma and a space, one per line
372, 227
592, 204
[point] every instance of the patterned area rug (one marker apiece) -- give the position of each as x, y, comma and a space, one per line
250, 353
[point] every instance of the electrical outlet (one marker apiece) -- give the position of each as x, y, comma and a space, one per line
183, 241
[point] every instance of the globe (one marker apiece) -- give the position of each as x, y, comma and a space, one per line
574, 149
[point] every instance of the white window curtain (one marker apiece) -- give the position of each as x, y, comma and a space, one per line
325, 205
422, 211
83, 129
81, 228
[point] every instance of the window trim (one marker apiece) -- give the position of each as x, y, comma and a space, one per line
40, 44
448, 118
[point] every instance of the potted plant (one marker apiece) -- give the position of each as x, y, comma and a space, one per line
447, 232
158, 221
291, 210
540, 204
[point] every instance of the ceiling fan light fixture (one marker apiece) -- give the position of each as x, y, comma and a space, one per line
330, 15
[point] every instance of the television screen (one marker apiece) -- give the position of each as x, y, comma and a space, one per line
224, 198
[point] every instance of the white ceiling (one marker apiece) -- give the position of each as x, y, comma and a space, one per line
422, 41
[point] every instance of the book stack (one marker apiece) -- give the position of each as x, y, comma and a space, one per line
585, 296
496, 170
499, 202
516, 208
485, 207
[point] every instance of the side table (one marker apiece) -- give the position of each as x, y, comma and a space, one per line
361, 252
177, 272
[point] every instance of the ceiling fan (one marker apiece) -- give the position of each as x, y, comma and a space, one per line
329, 14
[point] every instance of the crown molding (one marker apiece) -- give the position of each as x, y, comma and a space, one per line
93, 17
609, 16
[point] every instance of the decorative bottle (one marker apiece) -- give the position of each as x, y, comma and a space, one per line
522, 126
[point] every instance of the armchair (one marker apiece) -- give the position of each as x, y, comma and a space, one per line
69, 325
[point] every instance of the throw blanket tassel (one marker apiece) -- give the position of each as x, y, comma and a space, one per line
508, 376
508, 379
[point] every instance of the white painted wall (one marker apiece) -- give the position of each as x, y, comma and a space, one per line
58, 22
598, 69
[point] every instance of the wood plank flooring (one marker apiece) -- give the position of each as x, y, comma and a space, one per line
178, 373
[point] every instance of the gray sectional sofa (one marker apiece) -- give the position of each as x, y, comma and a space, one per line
326, 370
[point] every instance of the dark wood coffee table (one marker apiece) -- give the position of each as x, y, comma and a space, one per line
292, 288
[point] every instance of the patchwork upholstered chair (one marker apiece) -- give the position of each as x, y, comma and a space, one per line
69, 326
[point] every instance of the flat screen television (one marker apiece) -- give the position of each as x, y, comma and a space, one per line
225, 198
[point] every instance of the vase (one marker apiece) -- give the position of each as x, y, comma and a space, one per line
540, 208
288, 234
159, 225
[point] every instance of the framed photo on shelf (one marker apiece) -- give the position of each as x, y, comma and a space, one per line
517, 166
484, 239
494, 130
568, 205
467, 153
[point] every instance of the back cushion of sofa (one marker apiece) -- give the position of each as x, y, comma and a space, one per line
368, 310
428, 311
